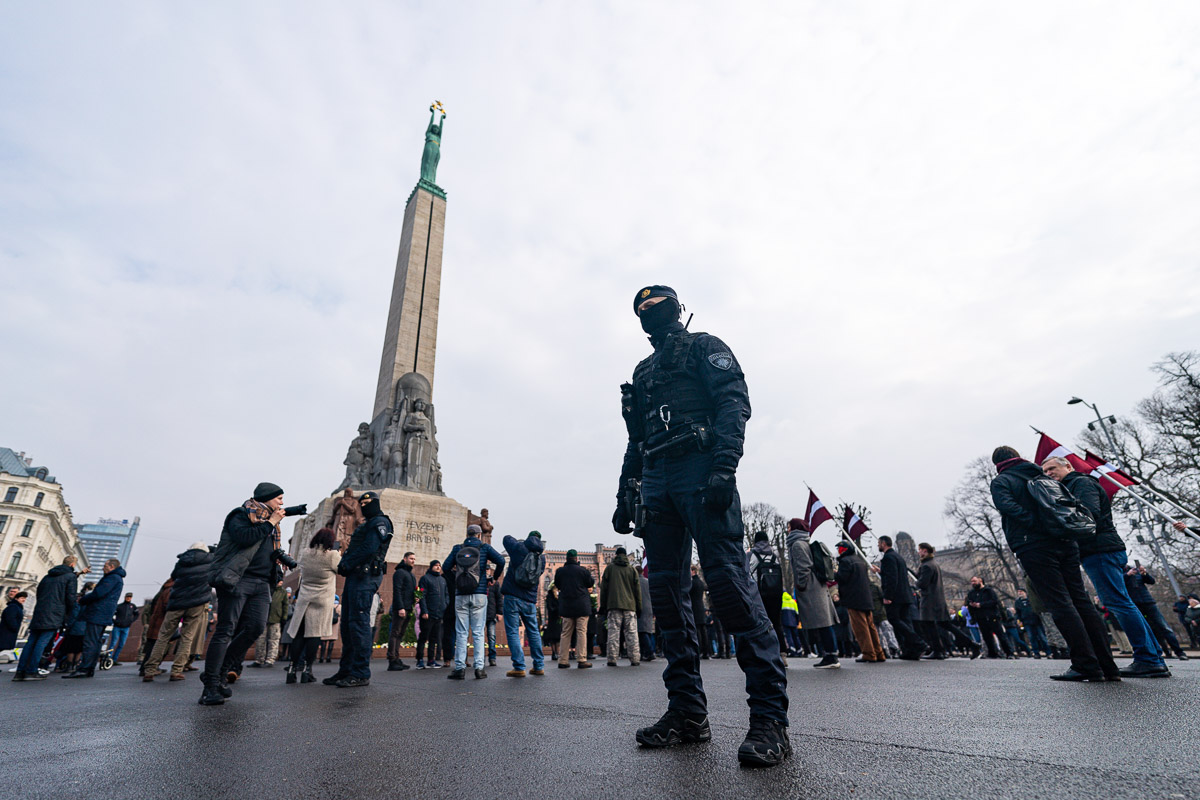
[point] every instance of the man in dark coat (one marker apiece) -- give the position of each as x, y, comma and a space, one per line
363, 566
1052, 564
432, 608
1105, 561
897, 600
187, 604
56, 599
985, 612
575, 607
100, 606
854, 592
696, 594
11, 619
243, 570
518, 604
1031, 620
123, 618
933, 612
404, 590
1136, 581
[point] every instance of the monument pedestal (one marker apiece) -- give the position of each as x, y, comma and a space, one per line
426, 524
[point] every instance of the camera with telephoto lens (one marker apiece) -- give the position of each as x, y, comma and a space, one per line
284, 559
296, 511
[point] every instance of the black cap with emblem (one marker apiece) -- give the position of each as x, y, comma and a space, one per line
648, 292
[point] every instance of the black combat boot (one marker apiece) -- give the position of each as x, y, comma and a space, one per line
307, 676
675, 728
291, 674
765, 745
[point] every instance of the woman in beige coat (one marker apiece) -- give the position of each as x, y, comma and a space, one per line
312, 619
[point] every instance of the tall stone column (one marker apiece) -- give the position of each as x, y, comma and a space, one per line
410, 339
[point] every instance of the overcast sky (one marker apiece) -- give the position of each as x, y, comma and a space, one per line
920, 227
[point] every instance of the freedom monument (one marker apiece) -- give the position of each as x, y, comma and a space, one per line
396, 453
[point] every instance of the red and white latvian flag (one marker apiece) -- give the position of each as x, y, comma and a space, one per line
1048, 448
1112, 479
816, 513
855, 526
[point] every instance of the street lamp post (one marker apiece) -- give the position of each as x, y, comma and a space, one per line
1155, 545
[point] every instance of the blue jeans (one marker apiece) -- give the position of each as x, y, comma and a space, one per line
470, 614
119, 636
973, 632
671, 489
517, 611
1107, 571
357, 594
91, 646
31, 656
1037, 639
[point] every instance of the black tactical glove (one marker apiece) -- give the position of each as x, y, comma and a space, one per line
718, 495
622, 522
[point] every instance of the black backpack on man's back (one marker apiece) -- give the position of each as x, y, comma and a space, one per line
466, 569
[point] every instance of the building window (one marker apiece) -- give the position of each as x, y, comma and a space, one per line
37, 501
3, 522
28, 529
16, 562
41, 474
11, 495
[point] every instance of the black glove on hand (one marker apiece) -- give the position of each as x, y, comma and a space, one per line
622, 523
718, 495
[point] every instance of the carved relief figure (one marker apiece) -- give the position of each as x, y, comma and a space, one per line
358, 458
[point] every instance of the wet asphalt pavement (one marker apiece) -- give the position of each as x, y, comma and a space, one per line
925, 730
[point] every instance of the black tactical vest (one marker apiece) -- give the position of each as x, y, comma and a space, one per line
669, 398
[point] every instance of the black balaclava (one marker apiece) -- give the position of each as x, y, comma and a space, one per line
372, 507
660, 315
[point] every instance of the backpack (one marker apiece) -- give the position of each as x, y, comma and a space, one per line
466, 569
1065, 518
769, 575
822, 559
528, 571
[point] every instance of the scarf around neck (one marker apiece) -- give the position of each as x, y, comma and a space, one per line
261, 512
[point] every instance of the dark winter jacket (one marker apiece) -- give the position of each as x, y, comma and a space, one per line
573, 582
1088, 492
367, 543
495, 605
933, 606
854, 584
696, 595
56, 597
989, 604
10, 624
1018, 510
125, 614
190, 574
101, 603
620, 589
486, 553
404, 588
893, 578
435, 597
1029, 618
518, 551
1136, 585
244, 551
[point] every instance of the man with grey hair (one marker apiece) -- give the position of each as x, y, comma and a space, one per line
99, 607
1104, 560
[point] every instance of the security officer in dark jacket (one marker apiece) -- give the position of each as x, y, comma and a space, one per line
686, 413
363, 565
897, 600
1052, 564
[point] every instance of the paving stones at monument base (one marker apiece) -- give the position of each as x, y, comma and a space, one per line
944, 729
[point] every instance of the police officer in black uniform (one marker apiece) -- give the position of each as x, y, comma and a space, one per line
364, 566
686, 413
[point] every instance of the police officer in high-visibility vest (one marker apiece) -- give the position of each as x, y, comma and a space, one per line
686, 413
363, 565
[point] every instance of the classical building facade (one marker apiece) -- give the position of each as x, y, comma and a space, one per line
36, 531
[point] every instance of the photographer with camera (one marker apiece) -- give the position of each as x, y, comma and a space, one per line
363, 565
248, 561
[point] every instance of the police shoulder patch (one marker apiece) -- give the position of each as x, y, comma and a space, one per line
721, 360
